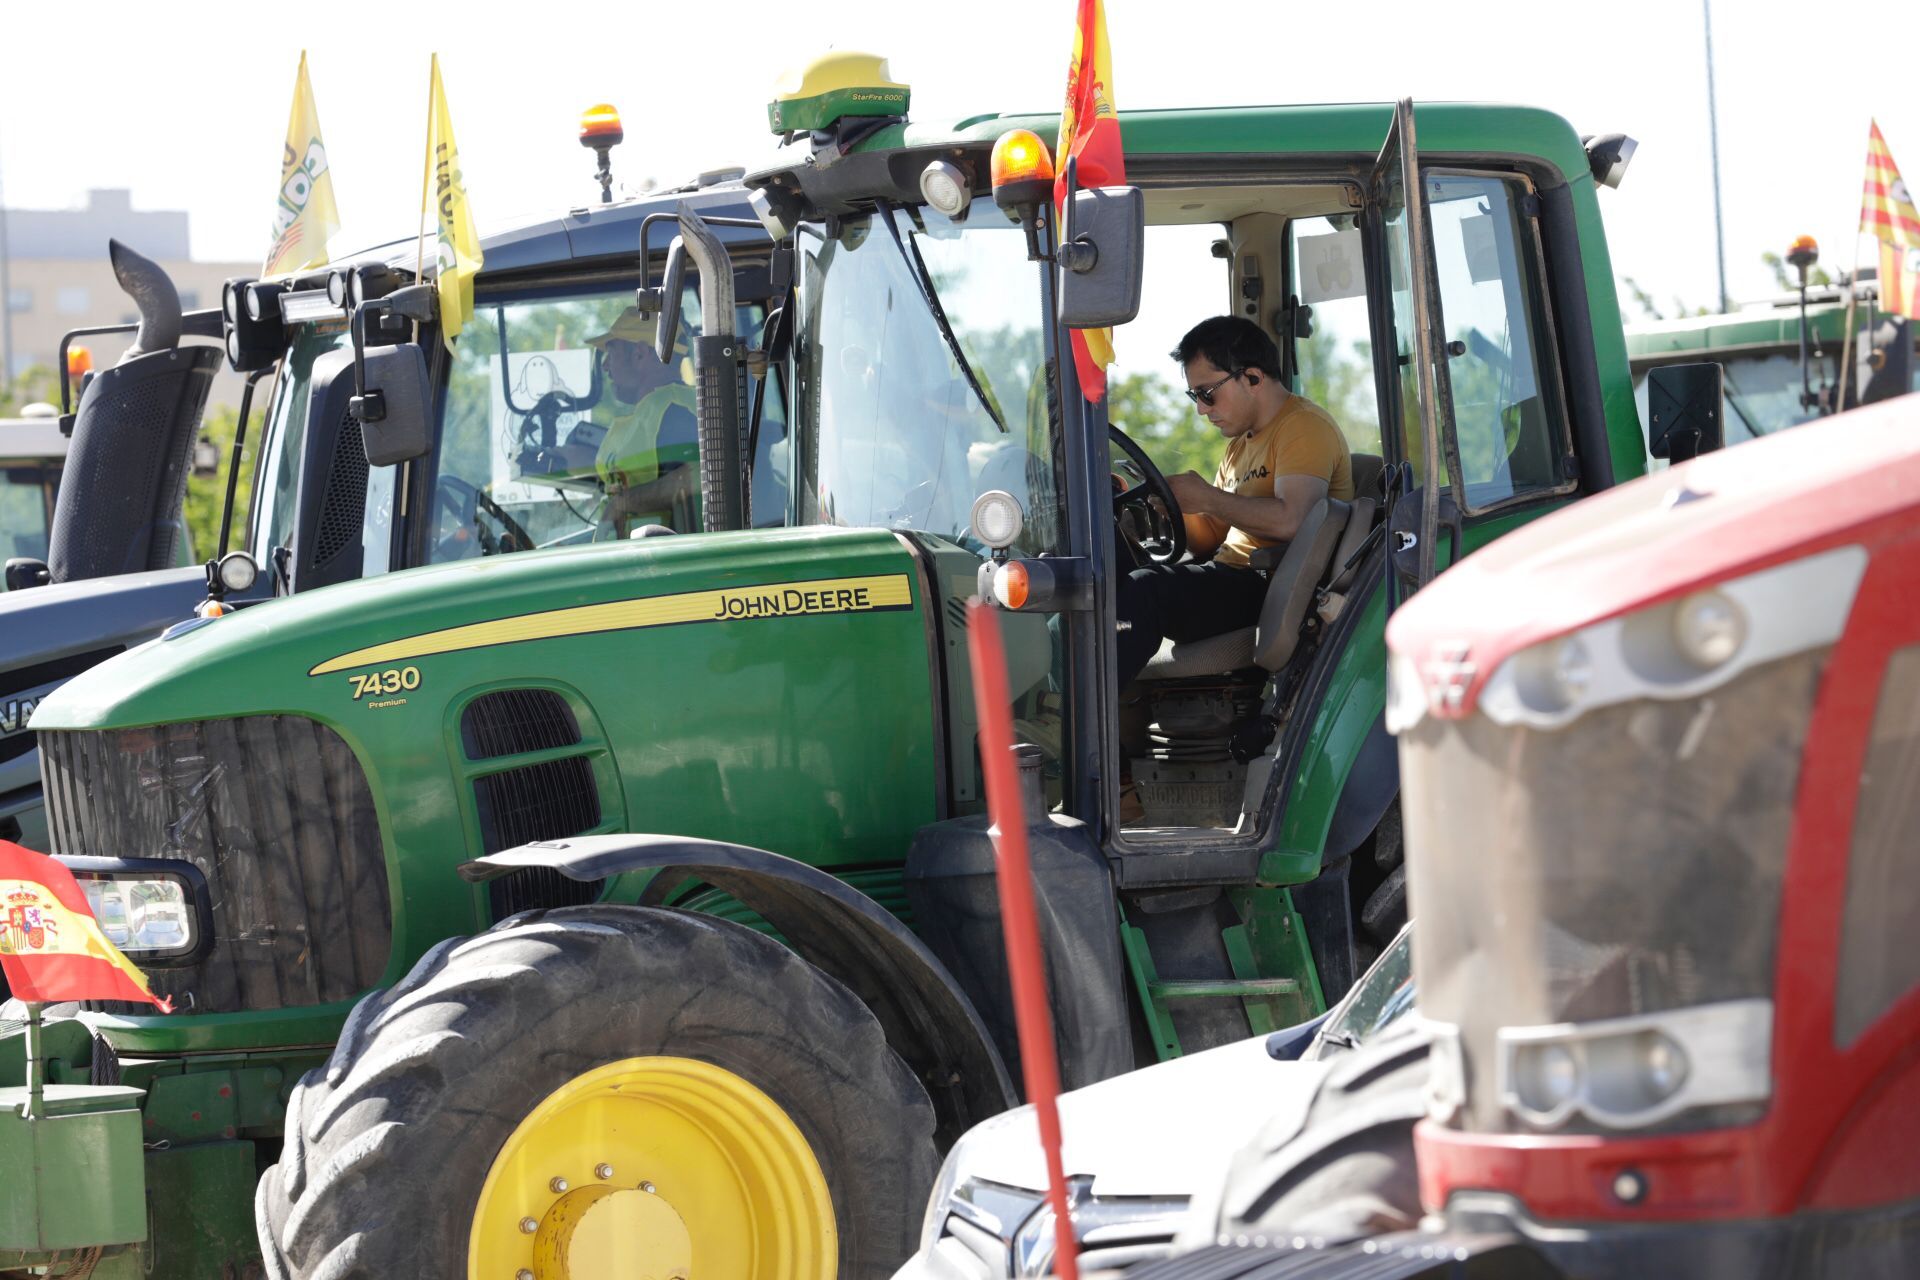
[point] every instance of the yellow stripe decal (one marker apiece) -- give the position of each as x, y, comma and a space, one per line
773, 600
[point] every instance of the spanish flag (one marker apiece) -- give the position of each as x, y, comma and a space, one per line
459, 253
1090, 130
1887, 214
51, 947
304, 215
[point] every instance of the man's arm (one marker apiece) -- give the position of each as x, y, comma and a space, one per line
1277, 518
1204, 533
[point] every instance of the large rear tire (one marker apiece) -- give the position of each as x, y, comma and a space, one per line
606, 1092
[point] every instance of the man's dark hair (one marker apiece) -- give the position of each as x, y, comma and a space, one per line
1231, 345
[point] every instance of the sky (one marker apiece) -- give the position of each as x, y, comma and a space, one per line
200, 127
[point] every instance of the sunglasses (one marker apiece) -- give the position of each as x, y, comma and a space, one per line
1204, 395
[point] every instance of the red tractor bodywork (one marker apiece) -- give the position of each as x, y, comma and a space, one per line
1840, 1130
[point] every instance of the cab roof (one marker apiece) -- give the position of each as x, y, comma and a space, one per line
1344, 134
1853, 478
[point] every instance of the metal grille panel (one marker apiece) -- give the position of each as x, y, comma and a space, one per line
511, 722
276, 813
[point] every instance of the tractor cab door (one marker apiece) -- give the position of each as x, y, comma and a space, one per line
1416, 391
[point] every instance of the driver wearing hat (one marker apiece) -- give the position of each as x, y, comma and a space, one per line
643, 460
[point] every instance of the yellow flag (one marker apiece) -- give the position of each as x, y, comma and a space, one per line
459, 249
304, 216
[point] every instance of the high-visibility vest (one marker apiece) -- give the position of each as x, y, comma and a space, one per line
630, 452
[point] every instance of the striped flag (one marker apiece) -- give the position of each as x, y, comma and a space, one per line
1089, 129
458, 252
1887, 213
51, 947
304, 214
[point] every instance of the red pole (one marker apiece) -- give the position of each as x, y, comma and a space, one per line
1021, 924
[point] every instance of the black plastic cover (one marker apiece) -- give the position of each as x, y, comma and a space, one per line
119, 507
952, 886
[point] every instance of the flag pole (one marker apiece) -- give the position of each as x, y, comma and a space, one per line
1847, 387
1026, 966
426, 188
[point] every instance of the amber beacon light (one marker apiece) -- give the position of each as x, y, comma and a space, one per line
601, 131
1022, 170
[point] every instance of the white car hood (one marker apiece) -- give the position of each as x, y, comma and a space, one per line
1162, 1131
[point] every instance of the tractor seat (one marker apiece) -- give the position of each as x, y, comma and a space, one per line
1302, 565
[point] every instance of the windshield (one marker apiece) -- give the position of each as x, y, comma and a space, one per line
1381, 998
905, 424
277, 476
27, 491
579, 434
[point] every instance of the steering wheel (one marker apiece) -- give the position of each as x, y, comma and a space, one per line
541, 425
1152, 500
464, 502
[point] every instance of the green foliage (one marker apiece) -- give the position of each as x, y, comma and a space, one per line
1788, 282
1151, 409
36, 385
207, 494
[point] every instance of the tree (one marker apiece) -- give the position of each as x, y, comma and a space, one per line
35, 385
207, 494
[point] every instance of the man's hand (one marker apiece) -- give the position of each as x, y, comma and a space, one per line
1194, 494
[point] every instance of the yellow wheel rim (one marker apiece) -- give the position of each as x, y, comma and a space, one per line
655, 1169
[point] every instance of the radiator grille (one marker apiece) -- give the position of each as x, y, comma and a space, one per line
512, 722
276, 813
549, 800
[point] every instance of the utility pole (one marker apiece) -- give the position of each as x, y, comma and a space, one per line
1713, 143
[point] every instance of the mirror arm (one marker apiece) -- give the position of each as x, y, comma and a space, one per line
1076, 251
365, 406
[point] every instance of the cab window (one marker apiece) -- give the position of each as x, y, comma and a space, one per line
562, 426
1509, 420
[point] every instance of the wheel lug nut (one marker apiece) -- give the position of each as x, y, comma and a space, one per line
647, 1187
528, 1226
556, 1185
603, 1171
523, 1274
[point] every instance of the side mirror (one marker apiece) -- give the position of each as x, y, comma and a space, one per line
1686, 406
404, 429
1103, 257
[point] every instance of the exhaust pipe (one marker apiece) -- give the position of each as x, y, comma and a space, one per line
153, 294
720, 373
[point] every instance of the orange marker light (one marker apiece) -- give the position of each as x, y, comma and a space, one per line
600, 126
1022, 170
1805, 243
1011, 585
1020, 155
79, 362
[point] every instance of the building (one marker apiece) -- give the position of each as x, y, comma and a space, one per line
59, 279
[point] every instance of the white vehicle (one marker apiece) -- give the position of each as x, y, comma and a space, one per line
1137, 1148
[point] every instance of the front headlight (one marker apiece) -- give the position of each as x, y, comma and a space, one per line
955, 1170
1629, 1073
1677, 649
156, 910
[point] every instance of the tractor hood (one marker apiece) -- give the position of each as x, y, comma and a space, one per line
299, 655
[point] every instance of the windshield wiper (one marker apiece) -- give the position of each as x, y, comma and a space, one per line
911, 253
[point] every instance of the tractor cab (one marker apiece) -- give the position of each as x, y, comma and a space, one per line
1661, 757
1432, 297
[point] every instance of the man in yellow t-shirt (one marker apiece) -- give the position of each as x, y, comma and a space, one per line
1284, 453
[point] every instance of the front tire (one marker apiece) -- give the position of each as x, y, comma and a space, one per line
603, 1091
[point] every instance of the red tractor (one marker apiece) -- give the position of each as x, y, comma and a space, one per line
1661, 767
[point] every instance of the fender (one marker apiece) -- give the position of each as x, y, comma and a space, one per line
927, 1018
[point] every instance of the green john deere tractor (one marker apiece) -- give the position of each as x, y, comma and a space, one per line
638, 897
